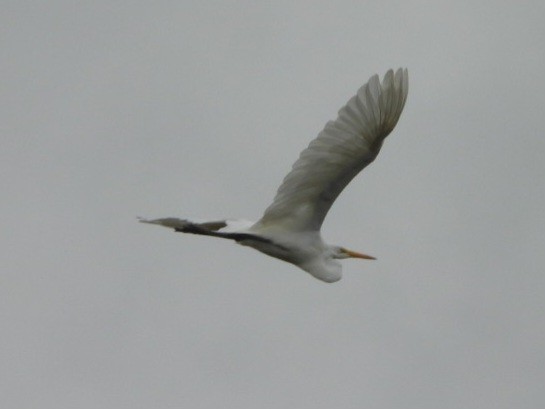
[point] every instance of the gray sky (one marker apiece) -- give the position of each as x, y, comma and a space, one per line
111, 110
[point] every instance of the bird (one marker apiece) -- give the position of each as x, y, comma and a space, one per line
289, 228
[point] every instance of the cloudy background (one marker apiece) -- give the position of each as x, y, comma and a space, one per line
112, 110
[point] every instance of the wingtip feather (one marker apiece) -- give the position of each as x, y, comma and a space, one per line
170, 222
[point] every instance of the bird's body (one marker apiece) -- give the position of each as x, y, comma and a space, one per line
290, 227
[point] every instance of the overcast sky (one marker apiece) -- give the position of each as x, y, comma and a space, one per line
112, 110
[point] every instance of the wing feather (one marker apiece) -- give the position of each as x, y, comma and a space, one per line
341, 150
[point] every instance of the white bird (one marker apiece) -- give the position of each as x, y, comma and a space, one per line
290, 227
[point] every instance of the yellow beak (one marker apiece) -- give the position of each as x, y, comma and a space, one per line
355, 254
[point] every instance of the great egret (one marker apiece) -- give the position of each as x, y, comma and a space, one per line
290, 227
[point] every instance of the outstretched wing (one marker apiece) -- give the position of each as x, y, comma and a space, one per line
340, 152
227, 229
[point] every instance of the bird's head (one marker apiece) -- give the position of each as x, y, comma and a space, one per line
341, 252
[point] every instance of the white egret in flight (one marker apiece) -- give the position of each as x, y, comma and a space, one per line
290, 227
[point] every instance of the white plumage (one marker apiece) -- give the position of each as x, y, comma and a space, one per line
290, 227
